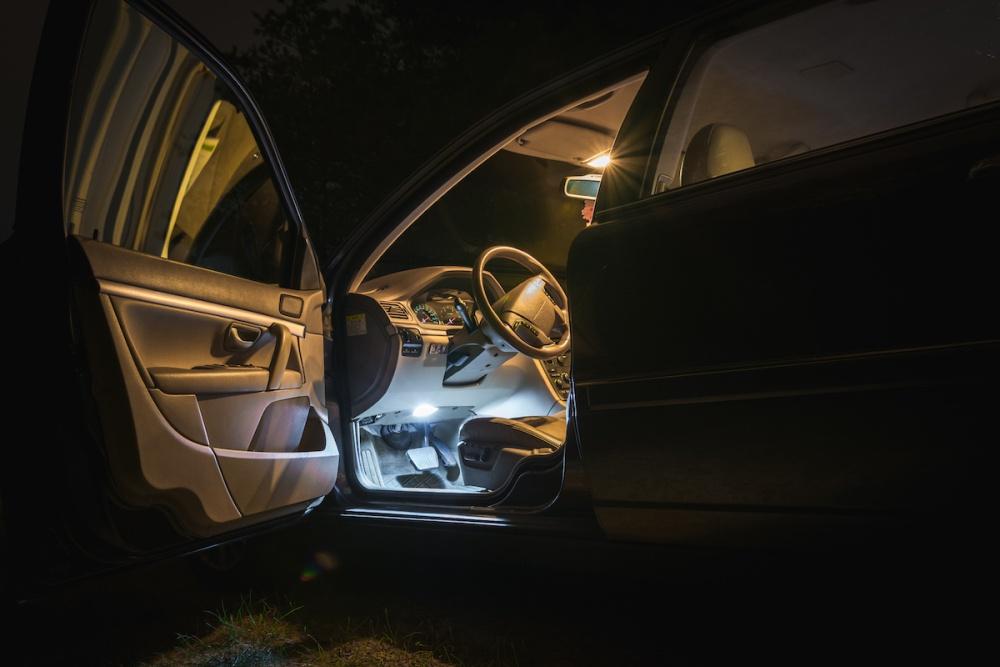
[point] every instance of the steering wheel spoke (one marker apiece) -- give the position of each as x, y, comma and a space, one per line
537, 333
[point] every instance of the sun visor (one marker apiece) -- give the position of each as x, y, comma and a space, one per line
564, 141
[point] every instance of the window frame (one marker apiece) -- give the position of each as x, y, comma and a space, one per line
640, 136
701, 38
299, 269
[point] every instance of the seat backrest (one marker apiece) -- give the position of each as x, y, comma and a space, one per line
715, 150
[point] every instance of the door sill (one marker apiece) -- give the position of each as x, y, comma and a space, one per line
500, 519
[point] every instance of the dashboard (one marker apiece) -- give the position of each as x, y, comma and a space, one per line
436, 307
419, 306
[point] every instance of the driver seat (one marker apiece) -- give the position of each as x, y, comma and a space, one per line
491, 447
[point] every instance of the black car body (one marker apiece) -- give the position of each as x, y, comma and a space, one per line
770, 346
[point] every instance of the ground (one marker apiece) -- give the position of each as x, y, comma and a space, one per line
317, 595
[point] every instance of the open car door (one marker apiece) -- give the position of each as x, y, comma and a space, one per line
196, 301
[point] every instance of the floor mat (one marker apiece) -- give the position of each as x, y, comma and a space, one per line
421, 480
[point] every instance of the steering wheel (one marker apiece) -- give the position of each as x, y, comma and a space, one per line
532, 318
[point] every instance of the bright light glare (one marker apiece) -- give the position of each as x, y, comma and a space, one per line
423, 410
600, 162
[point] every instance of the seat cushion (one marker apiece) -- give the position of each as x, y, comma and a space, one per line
522, 433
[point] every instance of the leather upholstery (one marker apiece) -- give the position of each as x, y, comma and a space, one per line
716, 150
520, 433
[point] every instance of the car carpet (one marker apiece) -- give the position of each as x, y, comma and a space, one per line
399, 473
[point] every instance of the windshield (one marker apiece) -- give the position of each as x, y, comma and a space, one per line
511, 199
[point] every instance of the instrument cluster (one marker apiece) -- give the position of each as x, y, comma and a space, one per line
437, 307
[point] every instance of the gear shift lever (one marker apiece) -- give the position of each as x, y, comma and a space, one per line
463, 312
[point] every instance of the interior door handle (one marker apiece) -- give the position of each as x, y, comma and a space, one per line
279, 361
240, 337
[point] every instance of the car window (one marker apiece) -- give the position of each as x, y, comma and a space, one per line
161, 159
510, 199
536, 193
834, 73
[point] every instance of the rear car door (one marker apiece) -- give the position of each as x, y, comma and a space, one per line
783, 324
196, 300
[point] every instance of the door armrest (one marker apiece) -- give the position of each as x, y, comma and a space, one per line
214, 379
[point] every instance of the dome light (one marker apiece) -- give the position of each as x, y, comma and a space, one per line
600, 162
424, 410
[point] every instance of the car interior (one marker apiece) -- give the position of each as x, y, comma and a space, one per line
821, 77
201, 305
461, 372
458, 344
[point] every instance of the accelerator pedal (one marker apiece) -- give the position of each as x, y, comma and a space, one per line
447, 458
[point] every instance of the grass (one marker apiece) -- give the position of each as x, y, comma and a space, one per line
256, 633
260, 633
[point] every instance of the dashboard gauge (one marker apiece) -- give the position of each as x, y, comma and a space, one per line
449, 315
425, 313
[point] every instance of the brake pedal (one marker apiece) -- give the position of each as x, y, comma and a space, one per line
423, 458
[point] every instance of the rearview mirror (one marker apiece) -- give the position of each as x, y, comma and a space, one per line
582, 187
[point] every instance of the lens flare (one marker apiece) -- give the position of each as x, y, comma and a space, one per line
600, 162
320, 562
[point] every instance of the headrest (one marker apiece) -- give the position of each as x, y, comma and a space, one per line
715, 150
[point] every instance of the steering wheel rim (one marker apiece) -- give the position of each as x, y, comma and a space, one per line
499, 331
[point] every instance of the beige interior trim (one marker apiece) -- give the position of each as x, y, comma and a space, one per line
186, 181
198, 306
169, 465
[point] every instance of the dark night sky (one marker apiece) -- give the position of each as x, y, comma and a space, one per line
226, 23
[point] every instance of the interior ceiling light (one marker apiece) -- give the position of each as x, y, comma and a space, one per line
424, 410
599, 162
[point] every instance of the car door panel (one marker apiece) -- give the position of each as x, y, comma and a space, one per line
818, 344
157, 240
209, 439
176, 285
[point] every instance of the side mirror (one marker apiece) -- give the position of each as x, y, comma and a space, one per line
582, 187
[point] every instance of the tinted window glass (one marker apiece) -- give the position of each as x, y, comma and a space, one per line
161, 159
837, 72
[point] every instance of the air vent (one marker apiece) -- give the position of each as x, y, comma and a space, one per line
395, 311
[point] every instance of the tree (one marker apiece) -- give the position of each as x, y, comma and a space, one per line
359, 93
